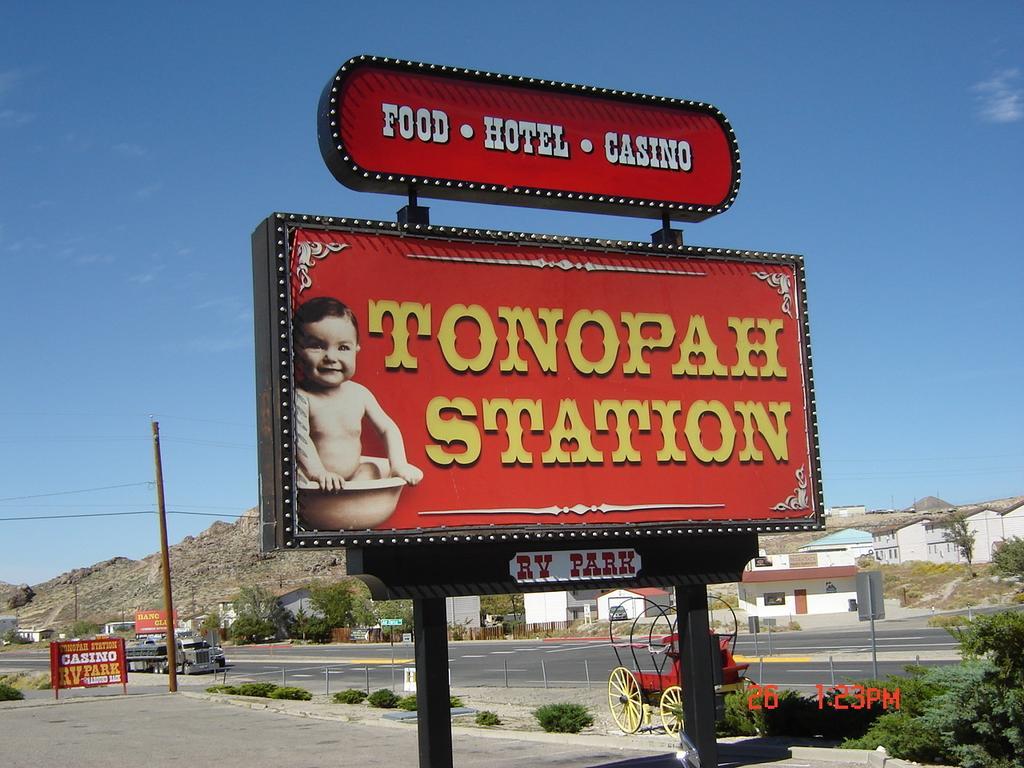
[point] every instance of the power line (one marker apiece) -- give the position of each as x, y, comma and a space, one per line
118, 514
80, 490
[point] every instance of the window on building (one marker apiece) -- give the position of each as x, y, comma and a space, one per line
774, 598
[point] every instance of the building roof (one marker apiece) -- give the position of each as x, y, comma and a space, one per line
845, 536
798, 574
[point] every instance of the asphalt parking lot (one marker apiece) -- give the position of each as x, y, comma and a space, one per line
194, 729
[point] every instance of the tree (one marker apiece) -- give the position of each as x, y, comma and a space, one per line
341, 604
258, 615
960, 535
211, 623
83, 628
1009, 559
980, 722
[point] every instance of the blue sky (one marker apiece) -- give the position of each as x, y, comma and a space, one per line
141, 143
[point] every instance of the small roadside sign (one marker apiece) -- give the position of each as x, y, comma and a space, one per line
391, 622
870, 603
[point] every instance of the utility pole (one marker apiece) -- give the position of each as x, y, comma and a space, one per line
165, 561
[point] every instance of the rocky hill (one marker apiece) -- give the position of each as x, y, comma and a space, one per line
211, 567
205, 570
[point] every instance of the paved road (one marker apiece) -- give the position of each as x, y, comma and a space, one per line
798, 660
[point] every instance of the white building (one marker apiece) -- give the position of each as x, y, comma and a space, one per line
925, 538
799, 584
847, 511
543, 607
899, 543
118, 626
647, 601
991, 528
463, 611
851, 540
798, 591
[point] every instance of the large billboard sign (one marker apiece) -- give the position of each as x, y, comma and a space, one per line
451, 385
87, 663
152, 622
386, 125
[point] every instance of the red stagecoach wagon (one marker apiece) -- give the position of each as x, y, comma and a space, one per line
653, 681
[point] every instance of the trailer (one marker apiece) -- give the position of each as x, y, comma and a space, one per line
194, 656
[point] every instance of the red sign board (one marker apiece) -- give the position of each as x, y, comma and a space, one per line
447, 384
87, 663
391, 126
152, 622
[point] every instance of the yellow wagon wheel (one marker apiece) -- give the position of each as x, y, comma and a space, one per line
671, 707
625, 700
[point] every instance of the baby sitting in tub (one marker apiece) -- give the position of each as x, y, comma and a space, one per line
330, 407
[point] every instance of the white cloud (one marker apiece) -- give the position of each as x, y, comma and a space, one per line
1001, 98
15, 117
148, 191
127, 149
96, 258
151, 274
9, 79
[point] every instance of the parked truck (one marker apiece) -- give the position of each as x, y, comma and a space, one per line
194, 655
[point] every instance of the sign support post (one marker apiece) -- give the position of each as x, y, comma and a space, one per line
695, 671
434, 720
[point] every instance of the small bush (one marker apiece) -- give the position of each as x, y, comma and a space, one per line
351, 696
563, 718
794, 626
229, 689
263, 690
383, 699
27, 681
947, 621
792, 716
903, 735
739, 719
487, 718
10, 693
454, 701
408, 703
291, 694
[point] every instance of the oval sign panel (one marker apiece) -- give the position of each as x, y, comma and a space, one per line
394, 126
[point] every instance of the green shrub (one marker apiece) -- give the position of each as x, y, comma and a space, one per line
793, 715
10, 693
230, 689
903, 736
351, 696
263, 690
563, 718
408, 703
27, 681
739, 719
947, 621
487, 718
383, 699
454, 701
291, 694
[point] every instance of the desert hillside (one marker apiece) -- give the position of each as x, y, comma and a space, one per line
205, 569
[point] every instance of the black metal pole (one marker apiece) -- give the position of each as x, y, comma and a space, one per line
695, 668
433, 696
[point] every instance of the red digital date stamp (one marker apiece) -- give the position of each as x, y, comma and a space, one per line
832, 696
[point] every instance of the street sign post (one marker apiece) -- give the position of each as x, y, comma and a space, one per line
871, 606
